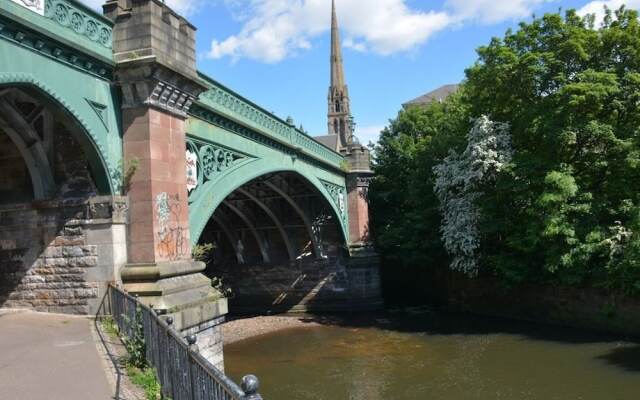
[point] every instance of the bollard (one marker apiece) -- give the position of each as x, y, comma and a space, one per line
250, 386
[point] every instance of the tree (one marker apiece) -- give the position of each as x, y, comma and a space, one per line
405, 210
566, 208
461, 180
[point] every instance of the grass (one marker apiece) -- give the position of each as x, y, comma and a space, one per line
110, 327
145, 377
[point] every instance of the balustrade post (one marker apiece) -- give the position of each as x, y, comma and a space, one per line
193, 349
170, 370
250, 386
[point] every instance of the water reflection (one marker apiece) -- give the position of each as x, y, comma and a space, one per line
429, 356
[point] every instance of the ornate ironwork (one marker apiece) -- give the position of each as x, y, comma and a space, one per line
339, 195
212, 161
222, 99
70, 16
41, 44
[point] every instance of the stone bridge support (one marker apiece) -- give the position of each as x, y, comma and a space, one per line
155, 53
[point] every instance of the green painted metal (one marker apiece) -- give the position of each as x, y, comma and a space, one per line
68, 22
67, 55
77, 92
230, 105
259, 160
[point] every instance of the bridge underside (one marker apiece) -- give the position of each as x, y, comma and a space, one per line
278, 247
48, 174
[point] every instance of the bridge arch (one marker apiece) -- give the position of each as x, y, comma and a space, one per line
32, 119
201, 211
105, 174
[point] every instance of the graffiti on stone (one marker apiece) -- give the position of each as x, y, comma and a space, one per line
192, 170
172, 243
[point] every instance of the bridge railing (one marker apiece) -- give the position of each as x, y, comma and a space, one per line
233, 105
183, 373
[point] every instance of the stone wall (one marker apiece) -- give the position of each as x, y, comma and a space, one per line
57, 256
209, 342
586, 308
323, 286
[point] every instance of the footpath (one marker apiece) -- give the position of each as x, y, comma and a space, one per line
49, 357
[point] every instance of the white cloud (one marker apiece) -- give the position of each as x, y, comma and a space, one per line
276, 29
491, 11
183, 7
368, 134
597, 7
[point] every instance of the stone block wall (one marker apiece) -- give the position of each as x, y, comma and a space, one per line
209, 342
324, 286
57, 257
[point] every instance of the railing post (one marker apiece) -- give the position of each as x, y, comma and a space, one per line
193, 349
168, 366
250, 386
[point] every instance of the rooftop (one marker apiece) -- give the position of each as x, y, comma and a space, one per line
439, 95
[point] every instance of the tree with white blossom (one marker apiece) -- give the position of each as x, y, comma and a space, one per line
459, 179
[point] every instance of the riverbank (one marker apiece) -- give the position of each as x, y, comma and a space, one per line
245, 328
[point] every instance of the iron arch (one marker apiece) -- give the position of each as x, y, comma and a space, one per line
77, 121
201, 211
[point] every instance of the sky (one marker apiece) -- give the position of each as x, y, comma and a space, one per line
276, 52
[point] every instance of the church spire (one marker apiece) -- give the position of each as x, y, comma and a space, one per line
339, 115
337, 69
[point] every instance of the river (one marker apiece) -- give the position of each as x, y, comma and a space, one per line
427, 356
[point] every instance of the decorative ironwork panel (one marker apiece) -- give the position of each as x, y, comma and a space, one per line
207, 162
71, 16
338, 195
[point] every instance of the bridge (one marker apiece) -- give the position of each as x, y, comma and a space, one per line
117, 157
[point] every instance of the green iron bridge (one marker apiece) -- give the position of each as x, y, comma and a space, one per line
66, 55
117, 157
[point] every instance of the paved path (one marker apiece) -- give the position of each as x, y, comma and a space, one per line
49, 357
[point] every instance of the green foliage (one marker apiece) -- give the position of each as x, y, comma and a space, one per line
135, 345
203, 252
344, 166
136, 364
110, 327
128, 171
147, 379
566, 208
220, 286
405, 210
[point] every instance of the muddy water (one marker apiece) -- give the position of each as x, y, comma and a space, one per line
433, 357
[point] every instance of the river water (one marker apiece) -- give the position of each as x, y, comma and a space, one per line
430, 357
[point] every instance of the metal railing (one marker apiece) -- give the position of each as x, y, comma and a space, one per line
183, 373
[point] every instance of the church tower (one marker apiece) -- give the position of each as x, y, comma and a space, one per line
339, 115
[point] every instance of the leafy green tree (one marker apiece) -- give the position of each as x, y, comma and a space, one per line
566, 209
570, 93
405, 210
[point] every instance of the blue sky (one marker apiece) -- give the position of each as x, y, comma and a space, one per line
276, 52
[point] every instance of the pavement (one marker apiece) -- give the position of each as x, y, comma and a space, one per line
50, 357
